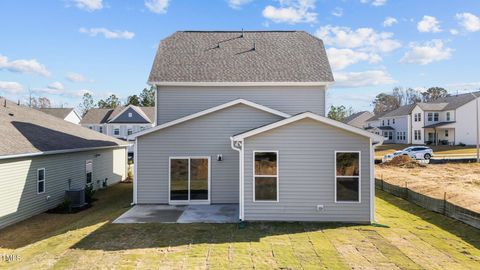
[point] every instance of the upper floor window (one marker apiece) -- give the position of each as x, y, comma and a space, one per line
130, 115
265, 176
40, 180
100, 129
435, 117
116, 131
347, 176
418, 117
383, 122
393, 121
129, 131
388, 122
430, 117
448, 116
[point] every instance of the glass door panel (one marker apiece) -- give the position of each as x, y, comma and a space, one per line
179, 179
199, 179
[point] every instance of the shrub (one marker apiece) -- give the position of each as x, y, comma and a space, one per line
461, 144
89, 192
65, 206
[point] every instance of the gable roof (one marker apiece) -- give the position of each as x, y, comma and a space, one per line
309, 115
102, 116
455, 101
236, 56
61, 113
208, 111
358, 119
26, 131
137, 109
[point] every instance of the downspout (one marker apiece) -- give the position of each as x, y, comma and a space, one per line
135, 177
238, 146
372, 179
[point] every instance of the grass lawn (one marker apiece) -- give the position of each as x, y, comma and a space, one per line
384, 149
412, 238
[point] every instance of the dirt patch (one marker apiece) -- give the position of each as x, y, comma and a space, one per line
460, 182
403, 162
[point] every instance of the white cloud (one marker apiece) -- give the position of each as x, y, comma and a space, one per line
157, 6
427, 53
429, 24
236, 4
376, 3
11, 87
56, 86
291, 12
76, 77
454, 32
342, 58
23, 66
362, 79
389, 21
89, 5
365, 39
108, 34
338, 12
468, 21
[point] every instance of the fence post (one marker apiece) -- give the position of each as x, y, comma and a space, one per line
406, 190
444, 203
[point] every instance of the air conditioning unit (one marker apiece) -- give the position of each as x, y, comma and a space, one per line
77, 197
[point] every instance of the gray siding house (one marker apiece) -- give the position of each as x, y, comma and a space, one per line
41, 156
241, 120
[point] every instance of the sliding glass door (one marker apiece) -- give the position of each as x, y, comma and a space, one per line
190, 180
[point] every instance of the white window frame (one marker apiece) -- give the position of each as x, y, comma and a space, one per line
448, 116
359, 176
129, 131
430, 117
130, 115
86, 172
183, 202
277, 176
446, 133
436, 117
393, 121
44, 180
114, 128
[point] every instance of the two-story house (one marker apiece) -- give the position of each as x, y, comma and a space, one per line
67, 114
241, 120
121, 121
450, 120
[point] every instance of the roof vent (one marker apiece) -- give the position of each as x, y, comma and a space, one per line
254, 47
242, 35
11, 114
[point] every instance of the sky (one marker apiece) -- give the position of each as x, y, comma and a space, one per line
62, 49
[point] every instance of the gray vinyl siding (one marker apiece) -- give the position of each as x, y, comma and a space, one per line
208, 135
18, 193
307, 174
174, 102
135, 119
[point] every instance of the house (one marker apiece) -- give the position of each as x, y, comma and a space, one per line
241, 120
67, 114
42, 156
121, 121
358, 119
450, 120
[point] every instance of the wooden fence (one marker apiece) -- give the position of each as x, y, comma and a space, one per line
441, 206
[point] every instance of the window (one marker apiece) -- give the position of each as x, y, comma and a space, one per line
100, 129
418, 117
448, 116
347, 176
446, 132
383, 122
189, 179
393, 121
142, 128
40, 181
90, 127
430, 117
129, 115
388, 122
129, 131
265, 187
417, 135
435, 117
116, 131
88, 171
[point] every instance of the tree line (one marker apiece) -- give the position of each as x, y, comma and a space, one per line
392, 100
146, 98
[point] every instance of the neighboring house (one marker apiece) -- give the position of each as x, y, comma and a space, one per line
358, 119
41, 156
450, 120
67, 114
121, 121
241, 120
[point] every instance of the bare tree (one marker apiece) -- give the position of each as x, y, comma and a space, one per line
44, 102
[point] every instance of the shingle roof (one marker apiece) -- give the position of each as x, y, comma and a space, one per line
439, 124
101, 116
355, 115
25, 131
226, 56
455, 101
57, 112
385, 128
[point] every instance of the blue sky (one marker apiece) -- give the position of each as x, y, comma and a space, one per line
62, 48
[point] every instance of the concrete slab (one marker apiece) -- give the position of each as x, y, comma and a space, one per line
216, 213
151, 214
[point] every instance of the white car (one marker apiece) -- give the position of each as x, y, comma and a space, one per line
415, 152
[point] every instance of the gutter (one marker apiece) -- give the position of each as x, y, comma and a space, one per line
64, 151
239, 149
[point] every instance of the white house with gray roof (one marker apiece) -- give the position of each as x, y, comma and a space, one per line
42, 156
241, 120
450, 121
67, 114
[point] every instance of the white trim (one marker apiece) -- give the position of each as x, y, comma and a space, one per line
44, 180
276, 176
135, 169
240, 176
62, 151
136, 109
211, 110
372, 183
189, 201
156, 108
157, 83
359, 176
310, 116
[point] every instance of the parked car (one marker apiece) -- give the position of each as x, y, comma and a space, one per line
415, 152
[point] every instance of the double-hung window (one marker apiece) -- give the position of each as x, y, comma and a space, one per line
347, 176
435, 117
448, 116
116, 131
265, 186
430, 117
88, 171
40, 180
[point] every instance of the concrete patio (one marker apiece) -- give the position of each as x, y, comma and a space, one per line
217, 213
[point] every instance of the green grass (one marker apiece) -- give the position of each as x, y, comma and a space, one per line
409, 238
384, 149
